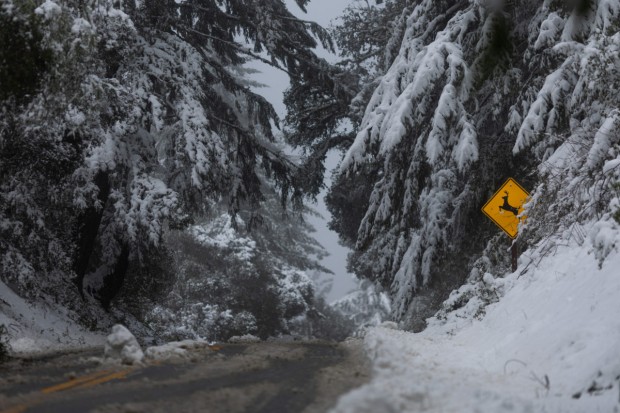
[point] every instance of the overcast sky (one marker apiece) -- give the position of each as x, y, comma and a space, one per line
276, 82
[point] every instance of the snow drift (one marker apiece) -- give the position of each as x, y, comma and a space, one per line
551, 342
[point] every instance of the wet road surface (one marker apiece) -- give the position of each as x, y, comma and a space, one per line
259, 377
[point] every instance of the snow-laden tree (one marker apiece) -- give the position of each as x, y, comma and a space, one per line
369, 35
571, 124
364, 307
479, 91
232, 279
322, 107
122, 119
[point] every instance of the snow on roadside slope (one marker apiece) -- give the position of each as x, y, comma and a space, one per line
36, 328
551, 344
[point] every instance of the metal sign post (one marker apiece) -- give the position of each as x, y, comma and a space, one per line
504, 208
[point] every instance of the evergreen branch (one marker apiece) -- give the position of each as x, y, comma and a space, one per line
361, 58
277, 154
322, 34
321, 148
237, 48
221, 13
315, 109
296, 20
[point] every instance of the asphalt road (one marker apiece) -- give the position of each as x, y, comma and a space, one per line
260, 377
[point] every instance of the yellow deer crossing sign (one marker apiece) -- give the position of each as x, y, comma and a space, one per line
504, 207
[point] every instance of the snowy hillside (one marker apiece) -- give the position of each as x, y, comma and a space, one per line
41, 327
550, 344
480, 91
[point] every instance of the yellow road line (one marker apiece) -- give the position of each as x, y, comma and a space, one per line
114, 376
74, 382
83, 382
16, 409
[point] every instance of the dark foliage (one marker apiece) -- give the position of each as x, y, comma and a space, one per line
24, 60
4, 351
118, 123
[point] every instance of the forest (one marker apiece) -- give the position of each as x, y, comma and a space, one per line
143, 180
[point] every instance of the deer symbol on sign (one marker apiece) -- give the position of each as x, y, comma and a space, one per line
507, 207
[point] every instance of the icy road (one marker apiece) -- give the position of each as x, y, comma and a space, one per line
258, 377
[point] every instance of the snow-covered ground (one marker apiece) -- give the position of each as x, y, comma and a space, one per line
550, 344
36, 328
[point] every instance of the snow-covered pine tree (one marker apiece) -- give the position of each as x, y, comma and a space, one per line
474, 85
369, 35
322, 107
140, 118
35, 167
571, 123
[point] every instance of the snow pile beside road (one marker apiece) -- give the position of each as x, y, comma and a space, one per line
122, 346
246, 338
551, 343
175, 350
36, 328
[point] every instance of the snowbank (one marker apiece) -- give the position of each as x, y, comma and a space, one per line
551, 343
246, 338
121, 346
175, 350
36, 328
